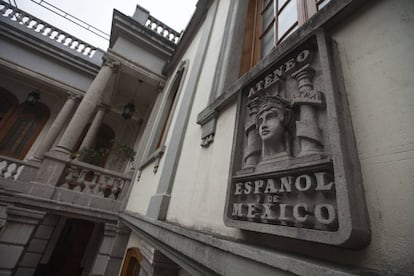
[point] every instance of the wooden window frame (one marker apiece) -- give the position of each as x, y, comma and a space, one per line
9, 97
132, 253
161, 117
8, 124
170, 106
167, 110
254, 31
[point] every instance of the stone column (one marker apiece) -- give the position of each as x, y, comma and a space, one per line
154, 263
111, 251
93, 129
308, 101
86, 108
56, 126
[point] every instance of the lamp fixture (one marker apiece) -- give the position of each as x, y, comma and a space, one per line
33, 97
129, 109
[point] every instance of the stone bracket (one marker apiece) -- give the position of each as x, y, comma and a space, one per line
208, 131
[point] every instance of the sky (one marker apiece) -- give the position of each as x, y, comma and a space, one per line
98, 13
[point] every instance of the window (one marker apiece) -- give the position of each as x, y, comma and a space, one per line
132, 262
20, 128
269, 22
167, 110
8, 103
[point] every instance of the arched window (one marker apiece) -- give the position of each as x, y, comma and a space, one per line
171, 102
132, 262
8, 103
20, 126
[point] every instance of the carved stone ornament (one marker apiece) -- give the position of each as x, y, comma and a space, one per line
295, 170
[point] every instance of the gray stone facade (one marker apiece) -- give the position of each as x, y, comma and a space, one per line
300, 166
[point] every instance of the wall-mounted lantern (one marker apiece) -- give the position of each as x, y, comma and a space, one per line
33, 97
129, 109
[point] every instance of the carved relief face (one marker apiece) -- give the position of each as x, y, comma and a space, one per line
270, 125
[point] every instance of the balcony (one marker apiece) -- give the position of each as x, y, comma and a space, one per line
55, 181
43, 33
83, 185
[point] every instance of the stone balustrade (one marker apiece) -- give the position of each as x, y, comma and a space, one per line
10, 168
46, 30
162, 29
86, 178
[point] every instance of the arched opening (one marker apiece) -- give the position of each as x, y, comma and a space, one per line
103, 143
8, 103
20, 125
98, 153
132, 262
169, 107
67, 258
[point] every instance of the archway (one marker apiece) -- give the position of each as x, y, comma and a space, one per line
20, 125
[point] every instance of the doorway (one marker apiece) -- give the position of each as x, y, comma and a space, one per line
66, 259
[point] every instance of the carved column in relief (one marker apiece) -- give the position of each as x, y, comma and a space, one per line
252, 150
308, 100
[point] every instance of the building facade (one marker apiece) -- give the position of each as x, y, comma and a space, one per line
269, 138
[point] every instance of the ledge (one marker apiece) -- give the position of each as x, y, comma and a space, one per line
128, 26
55, 206
333, 13
179, 242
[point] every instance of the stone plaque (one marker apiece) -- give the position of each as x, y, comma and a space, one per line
295, 171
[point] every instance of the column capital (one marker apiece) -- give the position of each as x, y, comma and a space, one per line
102, 106
160, 87
113, 64
74, 97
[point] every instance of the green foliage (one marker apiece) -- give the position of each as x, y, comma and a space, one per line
91, 156
96, 156
123, 151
